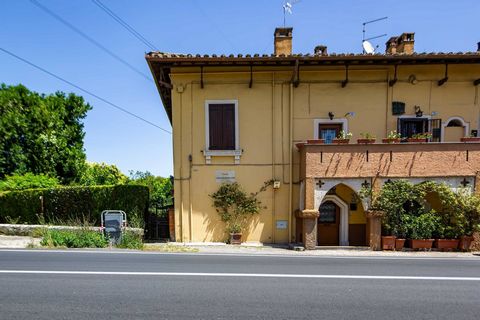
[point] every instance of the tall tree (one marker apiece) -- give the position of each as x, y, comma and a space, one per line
42, 134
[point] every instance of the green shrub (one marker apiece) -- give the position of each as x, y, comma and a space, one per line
82, 238
27, 181
131, 240
73, 204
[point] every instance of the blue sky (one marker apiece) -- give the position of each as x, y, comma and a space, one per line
193, 26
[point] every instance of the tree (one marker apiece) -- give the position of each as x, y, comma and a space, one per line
41, 134
160, 188
96, 174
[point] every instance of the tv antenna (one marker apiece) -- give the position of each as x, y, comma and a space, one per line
367, 46
287, 7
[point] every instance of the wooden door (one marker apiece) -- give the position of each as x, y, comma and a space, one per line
328, 224
328, 131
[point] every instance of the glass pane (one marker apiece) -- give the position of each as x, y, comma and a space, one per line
328, 135
328, 213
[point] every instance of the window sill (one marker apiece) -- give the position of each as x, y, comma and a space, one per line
222, 153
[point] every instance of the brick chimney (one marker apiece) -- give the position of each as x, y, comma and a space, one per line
391, 45
283, 41
320, 50
401, 44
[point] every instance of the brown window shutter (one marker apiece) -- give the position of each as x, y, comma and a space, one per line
222, 126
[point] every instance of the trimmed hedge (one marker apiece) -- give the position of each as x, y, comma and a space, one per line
73, 203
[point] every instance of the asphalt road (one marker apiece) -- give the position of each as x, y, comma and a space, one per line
104, 285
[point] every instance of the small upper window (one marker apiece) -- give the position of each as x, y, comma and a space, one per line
221, 125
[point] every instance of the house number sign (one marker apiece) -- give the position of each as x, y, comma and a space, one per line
222, 176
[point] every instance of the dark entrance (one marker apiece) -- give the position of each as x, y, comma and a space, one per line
328, 131
328, 224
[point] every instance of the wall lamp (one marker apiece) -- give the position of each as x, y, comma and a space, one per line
412, 79
418, 112
331, 115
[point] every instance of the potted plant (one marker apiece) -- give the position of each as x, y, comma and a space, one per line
392, 137
469, 217
367, 138
422, 228
471, 138
446, 240
236, 208
343, 137
420, 137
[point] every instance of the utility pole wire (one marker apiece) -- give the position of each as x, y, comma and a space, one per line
84, 90
91, 40
124, 24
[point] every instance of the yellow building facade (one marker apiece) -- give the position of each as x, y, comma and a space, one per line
279, 106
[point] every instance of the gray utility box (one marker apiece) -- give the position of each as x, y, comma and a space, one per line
113, 224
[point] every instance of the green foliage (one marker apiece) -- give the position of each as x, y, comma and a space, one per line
98, 174
27, 181
73, 203
236, 207
407, 213
367, 135
394, 135
131, 240
41, 134
344, 135
160, 188
82, 238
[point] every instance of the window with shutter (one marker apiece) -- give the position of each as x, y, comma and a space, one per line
221, 126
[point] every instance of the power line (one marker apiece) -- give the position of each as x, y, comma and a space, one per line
91, 40
84, 90
125, 25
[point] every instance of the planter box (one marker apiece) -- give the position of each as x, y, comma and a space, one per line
235, 238
446, 244
465, 242
388, 243
399, 244
316, 141
341, 141
417, 140
421, 243
470, 139
366, 141
387, 140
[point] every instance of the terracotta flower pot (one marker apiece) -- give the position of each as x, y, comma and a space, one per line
417, 140
387, 140
421, 243
300, 145
235, 238
399, 244
316, 141
465, 243
446, 244
341, 141
366, 141
388, 242
470, 139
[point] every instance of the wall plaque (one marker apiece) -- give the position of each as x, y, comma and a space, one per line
222, 176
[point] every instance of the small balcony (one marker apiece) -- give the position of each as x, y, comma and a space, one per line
395, 160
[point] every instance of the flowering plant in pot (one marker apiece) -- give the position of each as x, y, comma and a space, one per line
236, 208
366, 138
420, 137
470, 138
343, 137
468, 218
392, 137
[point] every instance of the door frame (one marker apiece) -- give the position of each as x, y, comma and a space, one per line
343, 226
317, 122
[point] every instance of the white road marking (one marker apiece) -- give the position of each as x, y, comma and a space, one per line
253, 254
240, 275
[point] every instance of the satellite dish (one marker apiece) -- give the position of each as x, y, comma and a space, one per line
368, 47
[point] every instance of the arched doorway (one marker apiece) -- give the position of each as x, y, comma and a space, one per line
342, 220
328, 224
